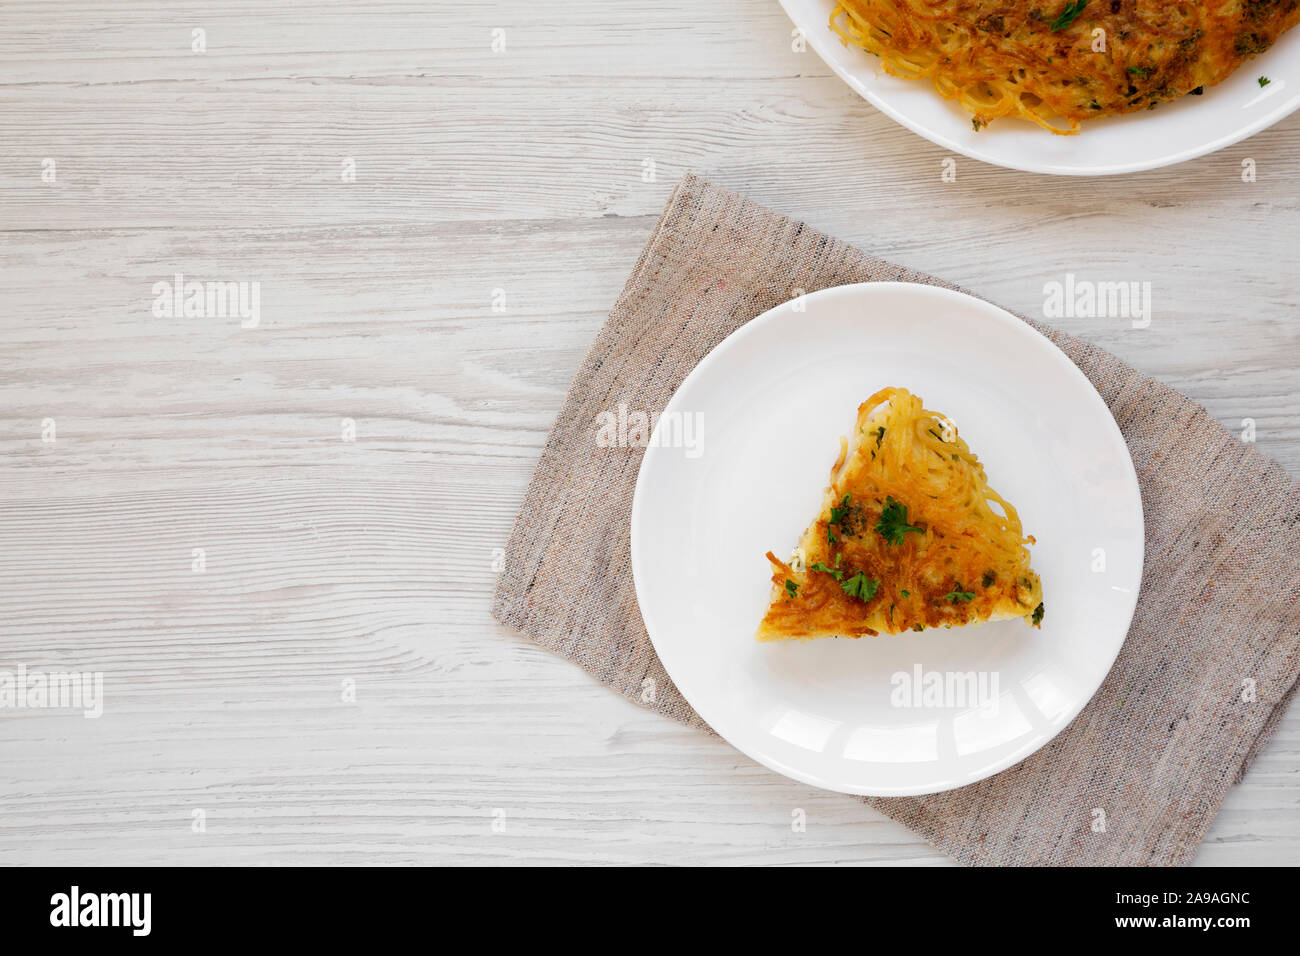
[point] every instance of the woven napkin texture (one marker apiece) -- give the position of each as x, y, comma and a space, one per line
1210, 661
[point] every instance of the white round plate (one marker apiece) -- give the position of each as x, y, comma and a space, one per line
745, 475
1190, 127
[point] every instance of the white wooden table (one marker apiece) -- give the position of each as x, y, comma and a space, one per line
336, 569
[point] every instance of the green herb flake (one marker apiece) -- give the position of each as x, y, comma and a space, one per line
821, 566
957, 594
860, 586
988, 579
838, 514
907, 594
791, 588
1264, 81
1068, 15
1037, 619
893, 526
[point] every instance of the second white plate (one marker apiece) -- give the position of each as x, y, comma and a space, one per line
767, 408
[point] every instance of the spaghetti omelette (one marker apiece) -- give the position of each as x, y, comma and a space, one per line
910, 536
1059, 63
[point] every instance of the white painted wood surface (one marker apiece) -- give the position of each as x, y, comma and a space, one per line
370, 561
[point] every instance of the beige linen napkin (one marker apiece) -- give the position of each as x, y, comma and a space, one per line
1211, 659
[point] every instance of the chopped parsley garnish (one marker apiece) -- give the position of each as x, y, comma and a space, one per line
821, 566
1038, 615
907, 594
880, 435
1140, 71
838, 514
791, 588
1068, 15
893, 526
860, 586
1263, 81
989, 578
957, 594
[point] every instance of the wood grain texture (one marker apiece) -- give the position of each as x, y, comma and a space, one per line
370, 561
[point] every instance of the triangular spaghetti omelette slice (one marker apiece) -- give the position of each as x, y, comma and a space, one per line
910, 536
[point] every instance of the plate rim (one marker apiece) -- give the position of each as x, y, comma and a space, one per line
821, 44
995, 313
